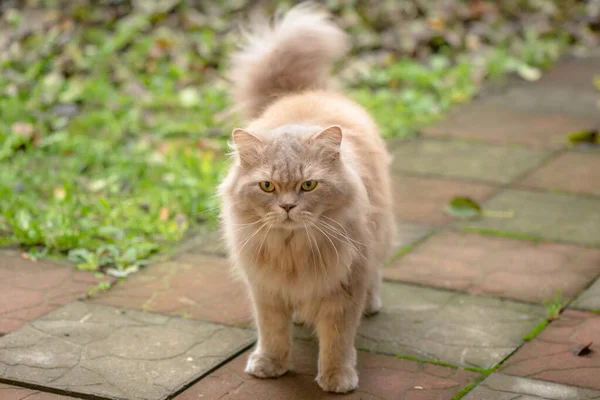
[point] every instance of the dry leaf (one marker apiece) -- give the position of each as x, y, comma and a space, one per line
581, 350
60, 193
23, 129
163, 214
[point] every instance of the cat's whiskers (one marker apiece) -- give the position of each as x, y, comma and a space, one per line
345, 232
253, 235
343, 237
259, 249
330, 241
243, 227
311, 247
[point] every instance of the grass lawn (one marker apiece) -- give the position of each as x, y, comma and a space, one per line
114, 120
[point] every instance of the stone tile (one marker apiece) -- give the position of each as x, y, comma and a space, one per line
460, 159
445, 326
381, 377
191, 286
574, 74
503, 387
30, 289
494, 123
549, 99
549, 356
8, 392
551, 216
570, 172
91, 349
408, 233
497, 266
538, 114
210, 243
590, 299
422, 200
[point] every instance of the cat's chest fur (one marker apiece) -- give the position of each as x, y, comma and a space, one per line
300, 264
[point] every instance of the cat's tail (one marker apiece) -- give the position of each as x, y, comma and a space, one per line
292, 54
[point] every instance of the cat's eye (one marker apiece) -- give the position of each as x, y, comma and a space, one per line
309, 185
267, 186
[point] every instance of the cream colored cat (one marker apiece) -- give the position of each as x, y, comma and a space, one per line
307, 208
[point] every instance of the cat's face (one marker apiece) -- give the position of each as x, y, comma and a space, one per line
290, 179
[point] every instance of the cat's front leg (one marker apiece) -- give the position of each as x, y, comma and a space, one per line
336, 327
270, 359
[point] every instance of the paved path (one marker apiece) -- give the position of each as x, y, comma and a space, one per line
466, 302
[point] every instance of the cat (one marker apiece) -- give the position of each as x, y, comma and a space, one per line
306, 204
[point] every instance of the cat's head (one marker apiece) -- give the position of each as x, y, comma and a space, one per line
291, 177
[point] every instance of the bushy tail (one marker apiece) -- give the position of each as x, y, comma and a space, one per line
293, 54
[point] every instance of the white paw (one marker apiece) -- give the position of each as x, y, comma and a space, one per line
296, 319
339, 380
263, 366
372, 306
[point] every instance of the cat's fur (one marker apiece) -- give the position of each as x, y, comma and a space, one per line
324, 264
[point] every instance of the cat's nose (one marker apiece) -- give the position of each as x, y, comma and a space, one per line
287, 206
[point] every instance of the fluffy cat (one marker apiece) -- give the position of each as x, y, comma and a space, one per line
306, 206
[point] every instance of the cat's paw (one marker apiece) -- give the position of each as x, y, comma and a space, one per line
263, 366
296, 319
372, 306
339, 380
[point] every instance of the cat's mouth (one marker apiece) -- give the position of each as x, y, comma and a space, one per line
289, 223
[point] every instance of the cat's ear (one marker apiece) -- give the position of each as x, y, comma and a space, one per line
247, 146
330, 140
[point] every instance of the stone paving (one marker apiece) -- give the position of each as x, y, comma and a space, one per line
8, 392
447, 326
590, 299
422, 200
466, 160
502, 387
558, 353
570, 172
116, 353
505, 267
385, 378
460, 297
192, 286
31, 289
549, 216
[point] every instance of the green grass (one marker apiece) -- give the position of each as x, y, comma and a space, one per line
474, 382
408, 248
470, 386
536, 331
113, 121
553, 310
421, 360
510, 235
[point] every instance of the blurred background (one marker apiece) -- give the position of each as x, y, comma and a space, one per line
114, 114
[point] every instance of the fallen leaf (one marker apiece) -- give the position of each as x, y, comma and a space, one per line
189, 97
122, 273
164, 43
581, 349
597, 82
23, 129
60, 193
529, 73
437, 24
464, 207
180, 219
163, 214
590, 137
